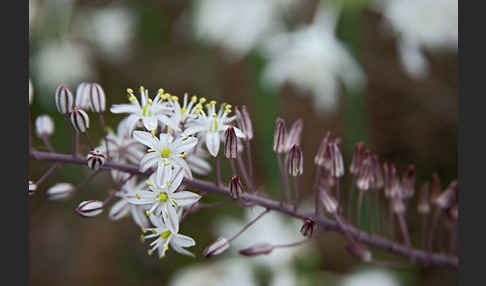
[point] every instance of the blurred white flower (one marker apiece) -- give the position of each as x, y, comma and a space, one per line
421, 24
110, 29
374, 277
62, 61
234, 272
238, 25
314, 60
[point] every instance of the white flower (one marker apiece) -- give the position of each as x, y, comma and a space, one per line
167, 235
165, 151
238, 25
123, 207
147, 110
212, 125
197, 160
314, 60
164, 195
122, 146
179, 115
421, 24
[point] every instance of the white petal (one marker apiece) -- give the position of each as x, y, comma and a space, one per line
139, 216
183, 240
156, 221
150, 123
212, 143
181, 145
148, 161
198, 165
146, 138
176, 179
119, 210
239, 133
194, 129
145, 197
185, 198
124, 108
171, 219
181, 250
163, 175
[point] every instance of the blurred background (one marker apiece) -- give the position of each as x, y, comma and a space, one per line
384, 72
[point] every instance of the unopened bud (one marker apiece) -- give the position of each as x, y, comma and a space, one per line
218, 247
378, 181
32, 188
279, 136
244, 122
64, 99
294, 135
236, 189
408, 182
321, 158
90, 208
446, 198
330, 204
365, 175
44, 126
337, 159
307, 228
82, 96
296, 161
357, 158
395, 186
31, 92
230, 143
359, 252
423, 203
96, 159
60, 191
257, 249
97, 98
80, 120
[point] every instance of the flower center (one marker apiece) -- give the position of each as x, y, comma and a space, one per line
165, 153
162, 197
165, 234
183, 111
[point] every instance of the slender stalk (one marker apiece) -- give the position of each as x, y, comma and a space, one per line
424, 230
316, 191
297, 243
368, 211
86, 180
282, 187
88, 139
296, 191
46, 142
218, 171
249, 160
244, 174
47, 173
433, 228
404, 229
103, 127
391, 219
350, 199
71, 135
379, 217
360, 203
285, 170
247, 226
415, 255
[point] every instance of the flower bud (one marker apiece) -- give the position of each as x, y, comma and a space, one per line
44, 126
257, 249
230, 143
64, 99
279, 136
31, 92
296, 161
359, 252
216, 248
321, 156
236, 189
32, 188
337, 158
398, 206
423, 203
307, 228
394, 186
82, 96
378, 181
330, 204
90, 208
97, 98
446, 198
295, 134
244, 122
80, 120
408, 182
96, 159
60, 191
358, 155
365, 174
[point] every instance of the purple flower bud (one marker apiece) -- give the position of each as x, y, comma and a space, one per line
279, 136
64, 99
90, 208
97, 98
423, 203
82, 96
60, 191
230, 143
408, 182
32, 188
96, 159
80, 120
307, 228
244, 122
295, 135
447, 197
357, 158
236, 189
44, 126
296, 161
359, 252
257, 249
330, 204
216, 248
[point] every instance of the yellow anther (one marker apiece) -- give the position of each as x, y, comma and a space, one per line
132, 98
167, 163
165, 153
142, 89
137, 196
208, 105
153, 133
144, 111
198, 111
194, 98
227, 106
161, 91
183, 110
169, 129
227, 111
143, 229
162, 197
149, 101
202, 100
183, 155
150, 150
165, 234
149, 252
212, 102
168, 184
149, 183
166, 246
214, 115
162, 256
199, 106
165, 96
147, 213
142, 238
129, 90
175, 202
174, 98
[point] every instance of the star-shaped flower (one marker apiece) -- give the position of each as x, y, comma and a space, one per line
121, 208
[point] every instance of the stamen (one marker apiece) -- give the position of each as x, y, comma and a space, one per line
148, 183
